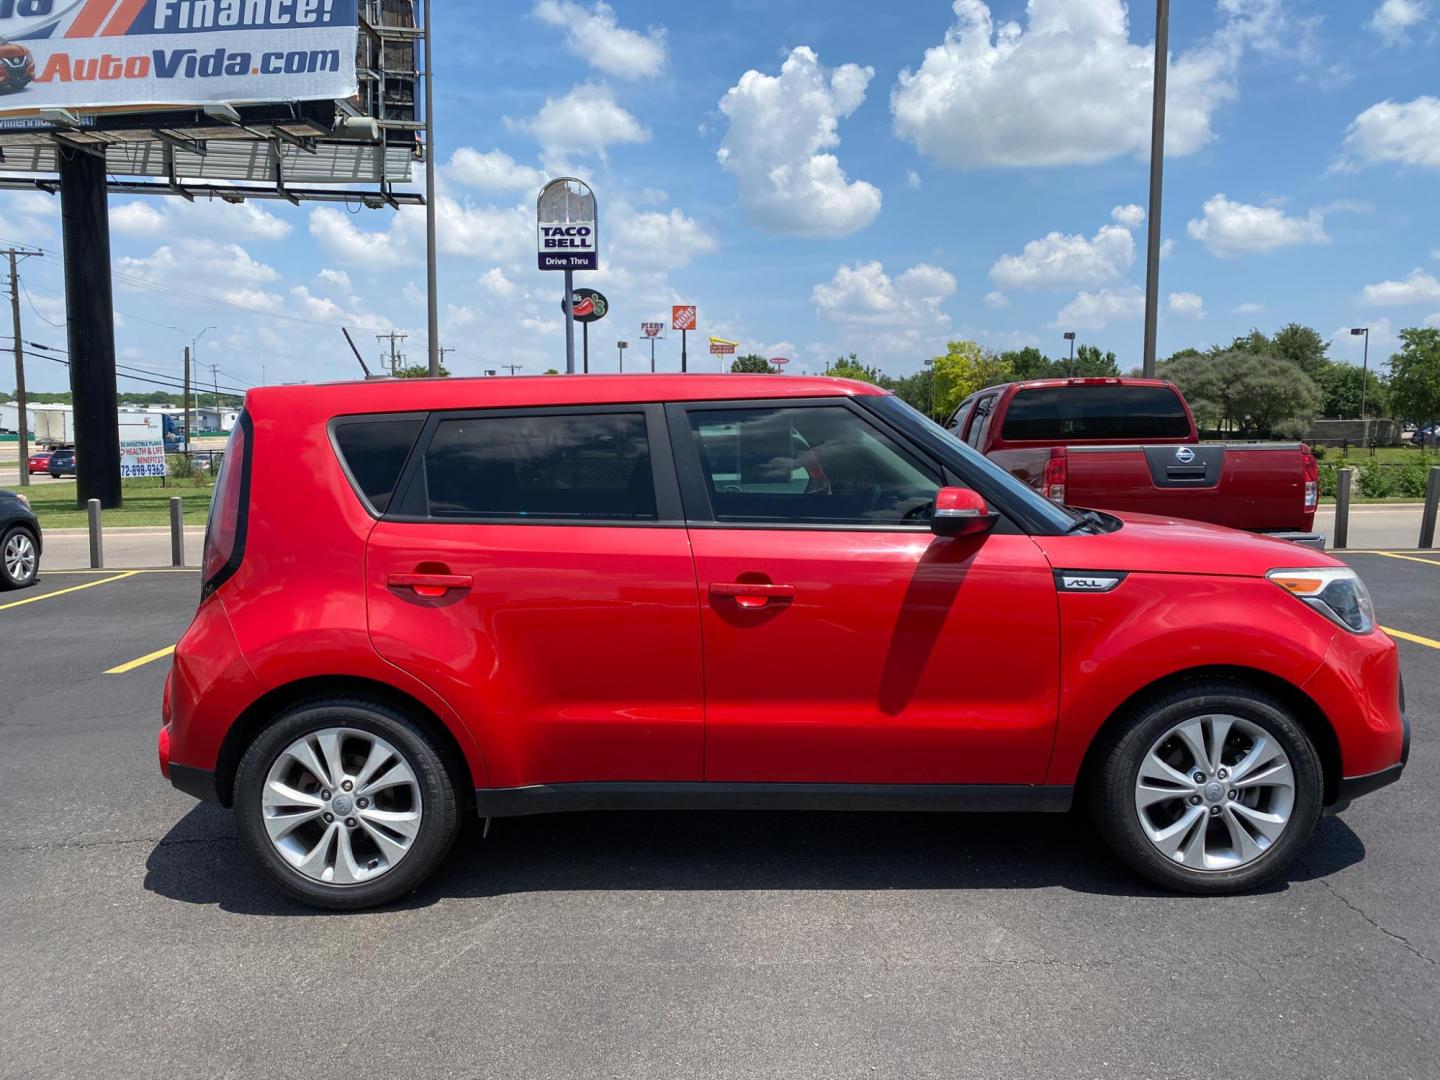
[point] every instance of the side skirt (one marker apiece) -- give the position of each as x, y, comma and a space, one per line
565, 798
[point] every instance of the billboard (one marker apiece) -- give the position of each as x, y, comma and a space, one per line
89, 54
565, 228
682, 317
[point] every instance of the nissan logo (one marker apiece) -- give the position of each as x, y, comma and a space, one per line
1184, 455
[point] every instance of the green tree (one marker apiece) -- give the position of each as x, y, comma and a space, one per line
965, 368
1415, 376
1340, 385
1029, 363
850, 367
1250, 395
1304, 347
752, 363
419, 371
1091, 363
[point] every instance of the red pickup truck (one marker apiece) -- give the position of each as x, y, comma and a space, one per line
1131, 445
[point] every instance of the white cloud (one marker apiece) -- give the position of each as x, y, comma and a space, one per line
214, 216
1398, 133
656, 239
335, 279
912, 179
1394, 19
1187, 305
1058, 260
137, 219
595, 36
193, 260
1129, 215
585, 121
1167, 248
494, 170
494, 281
779, 128
1418, 288
1068, 88
996, 300
1351, 347
1097, 310
865, 295
1248, 308
1233, 228
464, 230
1435, 253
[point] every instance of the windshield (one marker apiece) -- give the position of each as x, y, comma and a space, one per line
989, 476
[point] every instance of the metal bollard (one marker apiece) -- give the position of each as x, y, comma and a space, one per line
1343, 481
177, 532
97, 551
1432, 504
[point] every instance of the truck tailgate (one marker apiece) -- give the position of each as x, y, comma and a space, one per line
1260, 487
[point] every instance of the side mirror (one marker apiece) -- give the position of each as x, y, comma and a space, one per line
961, 512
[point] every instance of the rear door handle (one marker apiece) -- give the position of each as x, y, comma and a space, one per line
751, 594
429, 585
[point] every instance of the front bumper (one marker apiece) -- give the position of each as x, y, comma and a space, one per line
1352, 787
1312, 540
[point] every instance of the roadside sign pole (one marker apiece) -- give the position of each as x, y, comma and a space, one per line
585, 345
432, 273
569, 322
85, 218
652, 355
684, 366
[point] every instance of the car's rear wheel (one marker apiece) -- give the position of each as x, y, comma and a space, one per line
1213, 788
19, 558
346, 804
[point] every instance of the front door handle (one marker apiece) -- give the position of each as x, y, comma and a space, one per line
751, 594
429, 586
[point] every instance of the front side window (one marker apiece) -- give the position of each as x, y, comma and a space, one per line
820, 465
579, 466
980, 422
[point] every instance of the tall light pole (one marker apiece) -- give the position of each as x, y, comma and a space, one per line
1157, 182
191, 353
1070, 337
622, 346
1364, 380
432, 273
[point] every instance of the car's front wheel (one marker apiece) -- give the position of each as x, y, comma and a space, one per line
19, 558
346, 804
1213, 788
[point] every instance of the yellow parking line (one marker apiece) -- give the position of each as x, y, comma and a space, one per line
166, 570
158, 654
62, 592
1407, 558
1416, 638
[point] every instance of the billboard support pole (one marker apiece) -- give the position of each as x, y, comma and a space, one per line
684, 359
569, 322
652, 355
431, 269
585, 332
85, 220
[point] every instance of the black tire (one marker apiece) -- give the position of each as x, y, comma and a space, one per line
1116, 768
11, 581
56, 475
439, 820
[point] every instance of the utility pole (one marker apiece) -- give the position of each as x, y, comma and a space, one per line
189, 445
394, 338
512, 368
432, 273
16, 254
1157, 183
442, 351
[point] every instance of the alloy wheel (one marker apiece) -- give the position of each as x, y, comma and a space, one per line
342, 806
19, 558
1215, 792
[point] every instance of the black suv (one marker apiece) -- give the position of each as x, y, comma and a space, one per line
20, 542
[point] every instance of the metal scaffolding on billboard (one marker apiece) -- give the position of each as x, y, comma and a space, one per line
133, 99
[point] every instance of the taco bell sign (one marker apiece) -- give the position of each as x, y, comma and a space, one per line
566, 234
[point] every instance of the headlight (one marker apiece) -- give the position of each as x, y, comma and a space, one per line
1335, 592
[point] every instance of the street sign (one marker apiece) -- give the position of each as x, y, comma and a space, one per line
721, 347
588, 305
567, 235
682, 317
653, 330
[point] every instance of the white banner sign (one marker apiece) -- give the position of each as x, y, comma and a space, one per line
142, 447
79, 54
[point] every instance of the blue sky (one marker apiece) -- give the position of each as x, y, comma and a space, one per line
828, 178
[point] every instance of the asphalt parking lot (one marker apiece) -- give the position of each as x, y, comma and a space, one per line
136, 941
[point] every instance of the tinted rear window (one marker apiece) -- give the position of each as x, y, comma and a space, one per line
588, 465
375, 451
1064, 413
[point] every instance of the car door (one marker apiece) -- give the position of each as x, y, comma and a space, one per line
844, 643
535, 572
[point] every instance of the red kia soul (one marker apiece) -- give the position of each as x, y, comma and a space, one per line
520, 596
